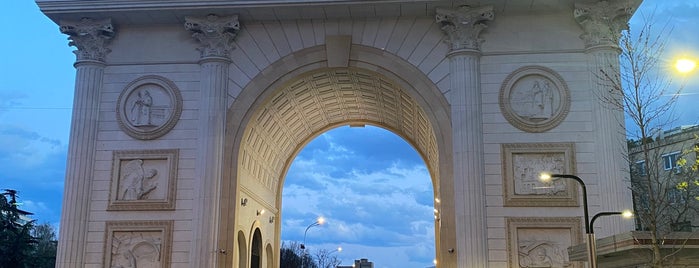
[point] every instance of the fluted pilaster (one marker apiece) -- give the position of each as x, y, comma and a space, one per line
216, 35
90, 37
463, 27
603, 23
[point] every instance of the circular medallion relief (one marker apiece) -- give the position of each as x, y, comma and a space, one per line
534, 99
149, 107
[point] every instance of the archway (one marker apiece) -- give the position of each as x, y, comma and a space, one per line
256, 254
373, 191
268, 127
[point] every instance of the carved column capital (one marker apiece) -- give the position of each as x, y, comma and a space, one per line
464, 25
216, 34
603, 22
90, 37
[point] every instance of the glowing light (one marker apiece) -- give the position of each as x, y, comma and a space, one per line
320, 220
627, 214
685, 65
545, 177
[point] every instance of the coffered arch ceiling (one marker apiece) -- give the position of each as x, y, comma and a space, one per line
322, 99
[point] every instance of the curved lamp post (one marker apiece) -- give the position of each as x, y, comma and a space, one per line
589, 224
318, 221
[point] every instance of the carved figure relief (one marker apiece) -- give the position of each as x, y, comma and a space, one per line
542, 254
137, 182
136, 249
523, 164
542, 242
138, 244
534, 99
141, 109
149, 107
528, 167
143, 180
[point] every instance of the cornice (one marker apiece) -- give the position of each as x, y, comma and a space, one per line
49, 6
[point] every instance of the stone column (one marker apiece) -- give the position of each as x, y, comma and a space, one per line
603, 23
90, 37
463, 27
215, 35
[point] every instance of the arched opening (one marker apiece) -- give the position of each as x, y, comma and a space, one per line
256, 254
242, 250
299, 98
270, 256
375, 194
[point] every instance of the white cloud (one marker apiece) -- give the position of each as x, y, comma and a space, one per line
373, 202
24, 148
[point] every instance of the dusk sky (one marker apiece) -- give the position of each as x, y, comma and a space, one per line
371, 186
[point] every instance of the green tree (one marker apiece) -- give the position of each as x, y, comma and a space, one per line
16, 242
44, 253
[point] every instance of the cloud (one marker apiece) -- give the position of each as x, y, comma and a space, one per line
34, 165
371, 196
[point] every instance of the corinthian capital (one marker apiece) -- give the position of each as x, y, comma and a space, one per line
216, 34
89, 36
603, 21
464, 25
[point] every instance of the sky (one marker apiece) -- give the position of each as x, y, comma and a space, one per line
375, 192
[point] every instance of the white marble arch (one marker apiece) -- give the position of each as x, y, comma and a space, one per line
235, 217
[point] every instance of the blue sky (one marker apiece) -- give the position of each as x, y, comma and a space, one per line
339, 172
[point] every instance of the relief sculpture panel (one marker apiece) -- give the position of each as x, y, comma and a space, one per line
149, 107
138, 244
143, 180
542, 242
534, 99
523, 163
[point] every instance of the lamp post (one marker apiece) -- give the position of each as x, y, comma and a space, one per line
590, 238
318, 221
589, 224
592, 245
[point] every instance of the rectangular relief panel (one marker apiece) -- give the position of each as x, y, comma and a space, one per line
143, 180
542, 242
522, 165
138, 244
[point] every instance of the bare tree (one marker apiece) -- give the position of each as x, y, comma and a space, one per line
326, 258
293, 256
647, 94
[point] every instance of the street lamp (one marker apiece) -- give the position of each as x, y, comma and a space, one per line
592, 242
318, 221
685, 65
339, 249
589, 224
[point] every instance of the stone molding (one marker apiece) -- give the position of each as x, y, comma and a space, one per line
90, 37
150, 174
215, 34
149, 107
542, 242
534, 99
521, 165
464, 25
603, 22
138, 244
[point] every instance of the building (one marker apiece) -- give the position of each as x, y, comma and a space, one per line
664, 151
678, 228
187, 114
361, 263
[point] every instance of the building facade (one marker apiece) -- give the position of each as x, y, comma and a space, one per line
188, 113
661, 166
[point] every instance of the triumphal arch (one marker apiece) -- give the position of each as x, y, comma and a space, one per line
188, 113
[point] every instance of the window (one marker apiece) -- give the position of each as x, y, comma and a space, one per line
641, 168
670, 160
